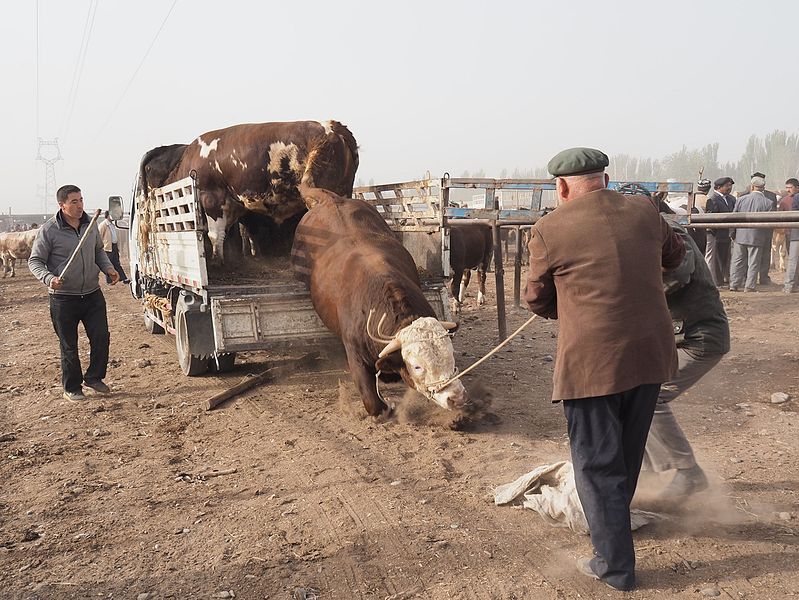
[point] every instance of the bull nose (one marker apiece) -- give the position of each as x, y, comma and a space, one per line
456, 396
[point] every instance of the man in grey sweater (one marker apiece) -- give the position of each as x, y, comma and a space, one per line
749, 241
75, 295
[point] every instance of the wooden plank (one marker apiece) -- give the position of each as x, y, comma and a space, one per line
268, 375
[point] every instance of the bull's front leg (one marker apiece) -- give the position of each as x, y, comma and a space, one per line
364, 377
217, 231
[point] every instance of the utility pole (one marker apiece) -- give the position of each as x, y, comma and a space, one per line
49, 153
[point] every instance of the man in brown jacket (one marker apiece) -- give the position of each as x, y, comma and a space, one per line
596, 264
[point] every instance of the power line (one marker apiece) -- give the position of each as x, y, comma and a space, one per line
37, 69
136, 72
77, 74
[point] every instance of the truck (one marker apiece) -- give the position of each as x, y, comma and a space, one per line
216, 312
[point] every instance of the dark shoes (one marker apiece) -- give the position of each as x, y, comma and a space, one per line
98, 386
74, 396
685, 483
125, 281
584, 566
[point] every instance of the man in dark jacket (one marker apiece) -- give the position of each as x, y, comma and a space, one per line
75, 295
717, 252
595, 264
694, 300
792, 185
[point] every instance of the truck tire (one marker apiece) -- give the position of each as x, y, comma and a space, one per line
151, 326
226, 362
191, 364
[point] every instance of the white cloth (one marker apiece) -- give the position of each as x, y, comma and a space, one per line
550, 491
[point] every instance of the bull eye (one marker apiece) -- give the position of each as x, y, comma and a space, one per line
417, 368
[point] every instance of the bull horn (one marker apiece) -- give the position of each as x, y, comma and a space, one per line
393, 346
369, 330
380, 329
448, 325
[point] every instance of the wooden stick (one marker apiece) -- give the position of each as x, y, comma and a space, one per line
80, 244
267, 375
216, 473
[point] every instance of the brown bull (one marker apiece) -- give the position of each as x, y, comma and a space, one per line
256, 168
365, 287
15, 246
471, 247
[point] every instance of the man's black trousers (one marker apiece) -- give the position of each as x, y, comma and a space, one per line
113, 256
66, 312
608, 436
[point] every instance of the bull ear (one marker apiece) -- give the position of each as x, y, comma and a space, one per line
391, 363
449, 325
393, 346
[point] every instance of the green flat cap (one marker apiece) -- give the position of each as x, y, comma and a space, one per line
577, 161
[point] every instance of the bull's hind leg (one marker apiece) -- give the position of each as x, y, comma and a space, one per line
481, 281
364, 378
467, 277
455, 289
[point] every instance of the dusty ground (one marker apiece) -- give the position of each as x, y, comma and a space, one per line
105, 499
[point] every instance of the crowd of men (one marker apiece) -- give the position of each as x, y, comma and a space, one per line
741, 258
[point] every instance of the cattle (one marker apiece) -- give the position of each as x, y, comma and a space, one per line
15, 246
365, 288
256, 168
470, 247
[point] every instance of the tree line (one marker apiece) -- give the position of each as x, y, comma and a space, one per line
776, 154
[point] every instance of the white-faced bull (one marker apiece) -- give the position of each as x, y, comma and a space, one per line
356, 269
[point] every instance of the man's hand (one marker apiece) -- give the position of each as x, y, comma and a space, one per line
56, 283
112, 273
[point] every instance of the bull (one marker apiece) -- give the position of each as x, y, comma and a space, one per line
14, 246
471, 247
365, 288
256, 168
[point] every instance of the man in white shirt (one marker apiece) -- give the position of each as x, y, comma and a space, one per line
110, 237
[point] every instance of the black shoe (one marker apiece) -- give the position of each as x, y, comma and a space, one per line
685, 483
74, 396
126, 281
98, 386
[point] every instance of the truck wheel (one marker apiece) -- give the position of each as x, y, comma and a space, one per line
190, 364
151, 326
226, 362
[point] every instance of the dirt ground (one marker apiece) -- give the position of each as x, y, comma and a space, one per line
107, 498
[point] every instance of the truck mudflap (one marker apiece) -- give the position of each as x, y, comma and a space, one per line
267, 321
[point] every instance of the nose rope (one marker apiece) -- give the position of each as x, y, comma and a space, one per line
487, 356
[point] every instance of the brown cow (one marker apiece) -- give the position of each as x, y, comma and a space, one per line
471, 247
14, 246
257, 168
365, 287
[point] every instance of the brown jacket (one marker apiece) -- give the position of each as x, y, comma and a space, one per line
595, 264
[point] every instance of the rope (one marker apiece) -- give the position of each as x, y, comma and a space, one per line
490, 354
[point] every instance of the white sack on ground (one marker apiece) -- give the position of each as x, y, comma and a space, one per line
549, 490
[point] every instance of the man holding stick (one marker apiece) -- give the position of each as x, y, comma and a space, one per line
67, 257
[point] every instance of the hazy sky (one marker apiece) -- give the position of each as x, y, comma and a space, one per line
438, 86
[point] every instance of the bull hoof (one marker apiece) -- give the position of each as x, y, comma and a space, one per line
481, 299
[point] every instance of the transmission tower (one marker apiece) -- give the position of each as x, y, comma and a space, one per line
49, 153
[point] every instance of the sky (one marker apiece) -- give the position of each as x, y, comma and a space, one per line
424, 86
